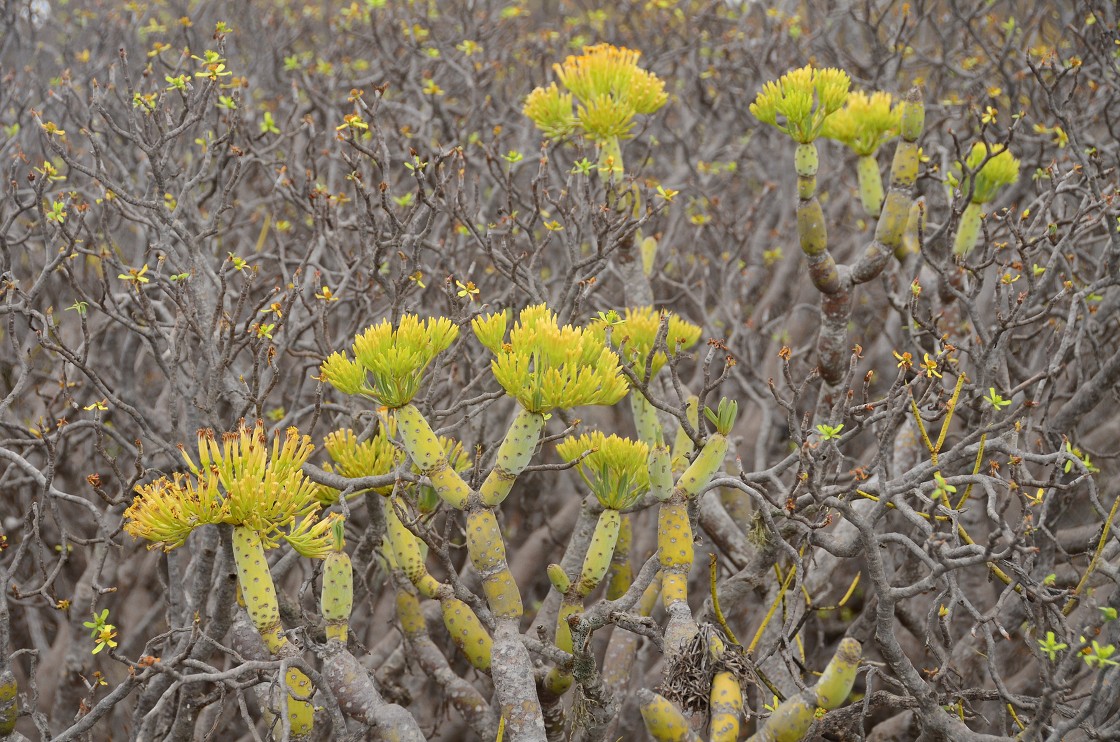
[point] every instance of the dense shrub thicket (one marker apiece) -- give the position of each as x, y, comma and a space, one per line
202, 202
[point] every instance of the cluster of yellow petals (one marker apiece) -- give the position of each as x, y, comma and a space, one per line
389, 361
636, 336
615, 468
865, 122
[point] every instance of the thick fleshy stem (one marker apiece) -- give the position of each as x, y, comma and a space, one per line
664, 721
674, 539
427, 452
870, 184
462, 623
337, 599
9, 702
795, 715
514, 454
836, 282
259, 594
359, 698
595, 565
968, 231
725, 699
462, 695
621, 573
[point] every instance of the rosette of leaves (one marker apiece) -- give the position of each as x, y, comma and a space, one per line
865, 123
616, 470
635, 335
607, 89
389, 362
986, 171
353, 458
263, 494
242, 482
799, 101
544, 366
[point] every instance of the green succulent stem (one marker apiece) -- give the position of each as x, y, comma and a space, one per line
487, 551
870, 184
467, 632
9, 702
795, 715
645, 419
429, 455
663, 720
599, 552
514, 454
621, 575
337, 599
407, 554
968, 231
696, 477
259, 595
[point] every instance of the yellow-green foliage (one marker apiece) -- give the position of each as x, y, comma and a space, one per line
1000, 170
545, 366
800, 100
615, 469
636, 334
240, 483
609, 89
389, 361
865, 122
371, 457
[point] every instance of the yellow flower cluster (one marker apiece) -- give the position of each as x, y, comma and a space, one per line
865, 122
239, 482
610, 89
799, 101
545, 366
354, 459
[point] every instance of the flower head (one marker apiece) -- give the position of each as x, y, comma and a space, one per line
800, 101
864, 123
551, 111
616, 469
545, 366
1001, 169
368, 458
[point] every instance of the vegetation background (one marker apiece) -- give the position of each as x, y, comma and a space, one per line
182, 245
